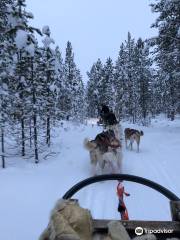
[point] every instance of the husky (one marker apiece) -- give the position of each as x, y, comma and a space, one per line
133, 135
117, 130
105, 152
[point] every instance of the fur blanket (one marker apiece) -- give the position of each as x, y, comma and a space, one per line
68, 221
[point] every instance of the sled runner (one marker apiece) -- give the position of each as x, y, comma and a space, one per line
161, 229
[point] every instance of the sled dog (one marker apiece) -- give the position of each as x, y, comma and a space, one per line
105, 152
117, 130
133, 135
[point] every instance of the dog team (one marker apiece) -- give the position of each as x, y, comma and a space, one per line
106, 149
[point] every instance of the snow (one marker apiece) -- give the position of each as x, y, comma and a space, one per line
53, 88
178, 32
21, 39
47, 41
12, 20
29, 15
30, 49
46, 30
28, 192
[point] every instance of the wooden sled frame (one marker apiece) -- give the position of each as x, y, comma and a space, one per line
169, 228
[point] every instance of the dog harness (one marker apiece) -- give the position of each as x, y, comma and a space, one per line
105, 139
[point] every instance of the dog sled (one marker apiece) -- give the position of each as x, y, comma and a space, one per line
133, 227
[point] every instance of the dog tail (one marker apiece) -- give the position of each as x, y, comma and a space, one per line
141, 133
89, 145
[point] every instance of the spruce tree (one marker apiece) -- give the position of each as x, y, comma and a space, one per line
168, 51
22, 40
94, 93
72, 84
120, 84
130, 82
107, 88
59, 83
144, 77
48, 91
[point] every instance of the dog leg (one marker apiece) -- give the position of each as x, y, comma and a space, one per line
113, 167
101, 164
130, 145
137, 147
119, 160
94, 169
116, 165
126, 142
131, 142
138, 142
120, 132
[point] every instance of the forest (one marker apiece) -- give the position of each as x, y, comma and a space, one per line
38, 88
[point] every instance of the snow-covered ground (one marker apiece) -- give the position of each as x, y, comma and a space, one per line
28, 191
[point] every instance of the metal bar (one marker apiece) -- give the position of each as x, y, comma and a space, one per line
171, 196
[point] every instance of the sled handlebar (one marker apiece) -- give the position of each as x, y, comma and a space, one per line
120, 177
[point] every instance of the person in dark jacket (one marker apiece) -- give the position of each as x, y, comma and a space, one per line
107, 116
110, 119
104, 109
103, 112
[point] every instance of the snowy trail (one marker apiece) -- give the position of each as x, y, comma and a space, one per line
156, 161
28, 192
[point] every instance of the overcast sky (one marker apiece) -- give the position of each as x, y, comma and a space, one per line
96, 28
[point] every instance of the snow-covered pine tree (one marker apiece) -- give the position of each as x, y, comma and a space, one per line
168, 51
155, 106
132, 78
91, 93
69, 74
120, 84
6, 73
130, 82
35, 87
99, 72
107, 84
76, 88
78, 100
3, 17
72, 84
21, 35
49, 88
94, 94
4, 97
143, 81
59, 83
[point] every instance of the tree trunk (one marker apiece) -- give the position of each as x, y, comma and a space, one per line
48, 136
21, 95
34, 117
30, 135
23, 136
35, 130
172, 115
35, 139
2, 147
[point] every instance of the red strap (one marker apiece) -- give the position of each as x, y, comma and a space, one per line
120, 193
124, 215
